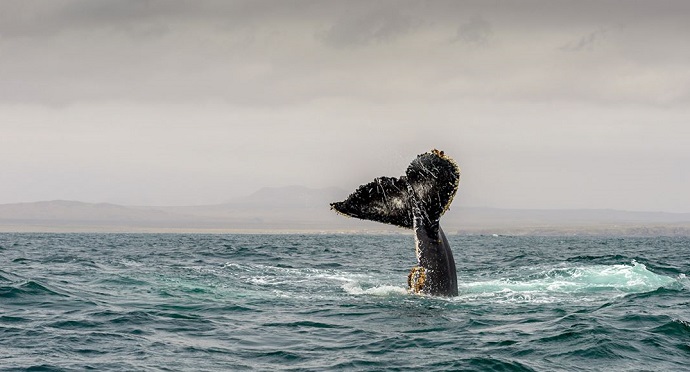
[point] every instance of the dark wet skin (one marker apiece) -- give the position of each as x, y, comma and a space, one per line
415, 201
433, 256
436, 258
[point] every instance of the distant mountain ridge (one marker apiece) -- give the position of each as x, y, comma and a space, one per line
303, 209
295, 196
66, 209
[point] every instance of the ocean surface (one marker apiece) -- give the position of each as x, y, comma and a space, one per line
186, 302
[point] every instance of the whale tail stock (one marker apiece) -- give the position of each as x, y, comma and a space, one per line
425, 192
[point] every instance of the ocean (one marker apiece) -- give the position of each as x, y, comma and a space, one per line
192, 302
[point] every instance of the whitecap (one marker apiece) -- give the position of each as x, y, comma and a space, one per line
353, 288
581, 283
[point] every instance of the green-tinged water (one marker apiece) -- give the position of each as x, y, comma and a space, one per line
130, 302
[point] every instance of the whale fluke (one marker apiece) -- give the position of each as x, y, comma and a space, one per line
415, 201
431, 179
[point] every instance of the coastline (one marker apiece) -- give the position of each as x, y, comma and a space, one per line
628, 230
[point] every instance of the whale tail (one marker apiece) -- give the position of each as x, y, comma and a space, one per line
429, 185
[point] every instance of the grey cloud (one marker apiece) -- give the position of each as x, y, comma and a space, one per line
586, 42
198, 101
31, 18
364, 28
285, 52
41, 19
477, 31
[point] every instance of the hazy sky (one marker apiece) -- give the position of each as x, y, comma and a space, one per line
544, 104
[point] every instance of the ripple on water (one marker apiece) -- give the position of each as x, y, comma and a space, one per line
230, 302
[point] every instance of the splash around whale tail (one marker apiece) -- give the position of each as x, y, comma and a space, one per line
430, 183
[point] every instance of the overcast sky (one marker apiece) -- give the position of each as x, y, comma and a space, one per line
544, 104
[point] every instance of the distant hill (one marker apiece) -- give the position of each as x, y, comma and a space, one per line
302, 209
274, 208
59, 214
566, 222
291, 196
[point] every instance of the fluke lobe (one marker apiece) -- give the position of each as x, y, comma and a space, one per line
415, 201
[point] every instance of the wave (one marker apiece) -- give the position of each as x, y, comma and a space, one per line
525, 284
547, 285
579, 282
28, 288
676, 327
355, 288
